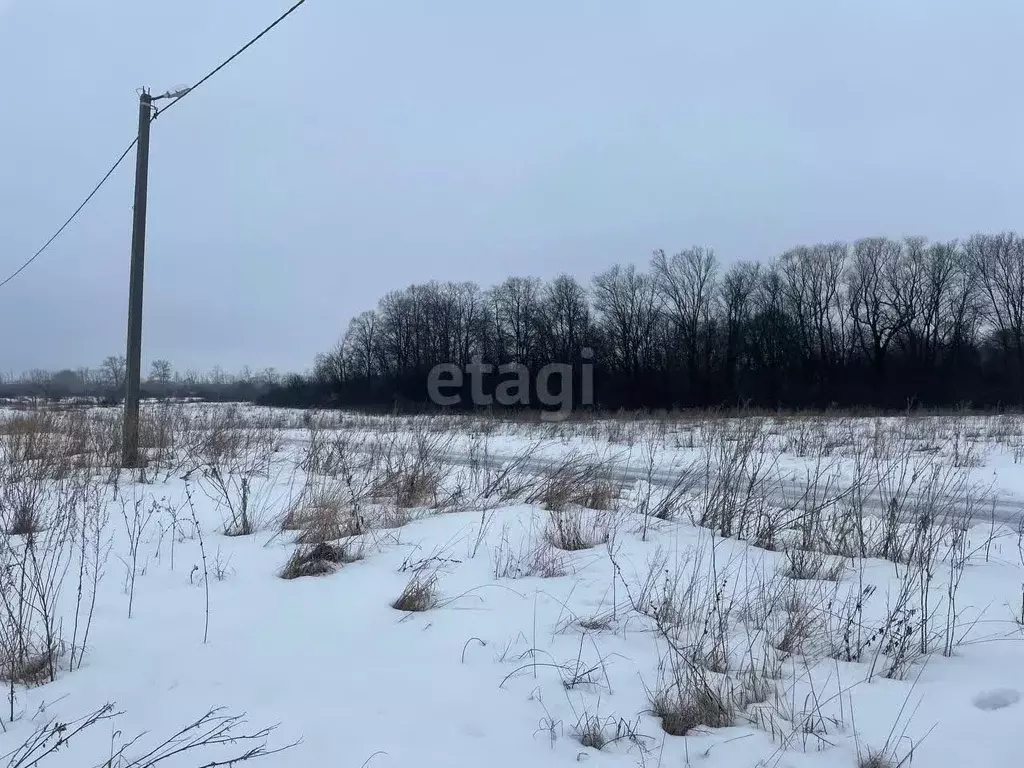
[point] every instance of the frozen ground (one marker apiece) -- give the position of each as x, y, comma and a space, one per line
784, 592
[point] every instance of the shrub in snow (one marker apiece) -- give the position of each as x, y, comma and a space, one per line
419, 595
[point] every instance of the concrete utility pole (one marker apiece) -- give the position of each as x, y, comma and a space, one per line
130, 437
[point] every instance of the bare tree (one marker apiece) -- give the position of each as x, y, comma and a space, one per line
687, 284
161, 372
330, 368
565, 319
878, 296
629, 309
471, 320
361, 344
113, 372
736, 299
813, 281
999, 261
516, 308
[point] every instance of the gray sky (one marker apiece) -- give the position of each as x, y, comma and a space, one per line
363, 146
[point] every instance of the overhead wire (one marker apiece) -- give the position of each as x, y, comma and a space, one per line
234, 56
73, 216
212, 73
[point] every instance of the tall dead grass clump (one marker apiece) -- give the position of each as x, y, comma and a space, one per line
530, 559
420, 593
801, 565
689, 701
412, 473
322, 513
320, 559
577, 482
740, 477
574, 530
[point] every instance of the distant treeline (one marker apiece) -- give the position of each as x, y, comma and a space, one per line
879, 323
106, 383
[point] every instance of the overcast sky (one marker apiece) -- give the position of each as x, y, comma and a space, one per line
366, 145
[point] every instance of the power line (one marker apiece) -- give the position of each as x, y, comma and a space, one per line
236, 54
72, 217
135, 141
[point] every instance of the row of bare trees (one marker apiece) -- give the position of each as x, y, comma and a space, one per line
107, 382
875, 322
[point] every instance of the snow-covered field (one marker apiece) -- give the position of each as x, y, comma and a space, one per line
455, 591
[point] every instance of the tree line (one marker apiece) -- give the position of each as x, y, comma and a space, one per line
879, 322
106, 383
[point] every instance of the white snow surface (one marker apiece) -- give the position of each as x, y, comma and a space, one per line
507, 670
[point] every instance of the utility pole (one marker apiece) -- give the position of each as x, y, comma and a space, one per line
130, 436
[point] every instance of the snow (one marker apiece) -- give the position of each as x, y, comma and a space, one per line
999, 698
505, 670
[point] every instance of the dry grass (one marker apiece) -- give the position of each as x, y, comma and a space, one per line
596, 732
689, 702
725, 628
590, 731
419, 595
797, 628
876, 760
596, 623
577, 482
23, 521
30, 669
411, 473
802, 565
319, 559
531, 559
324, 516
577, 529
884, 758
389, 516
410, 487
